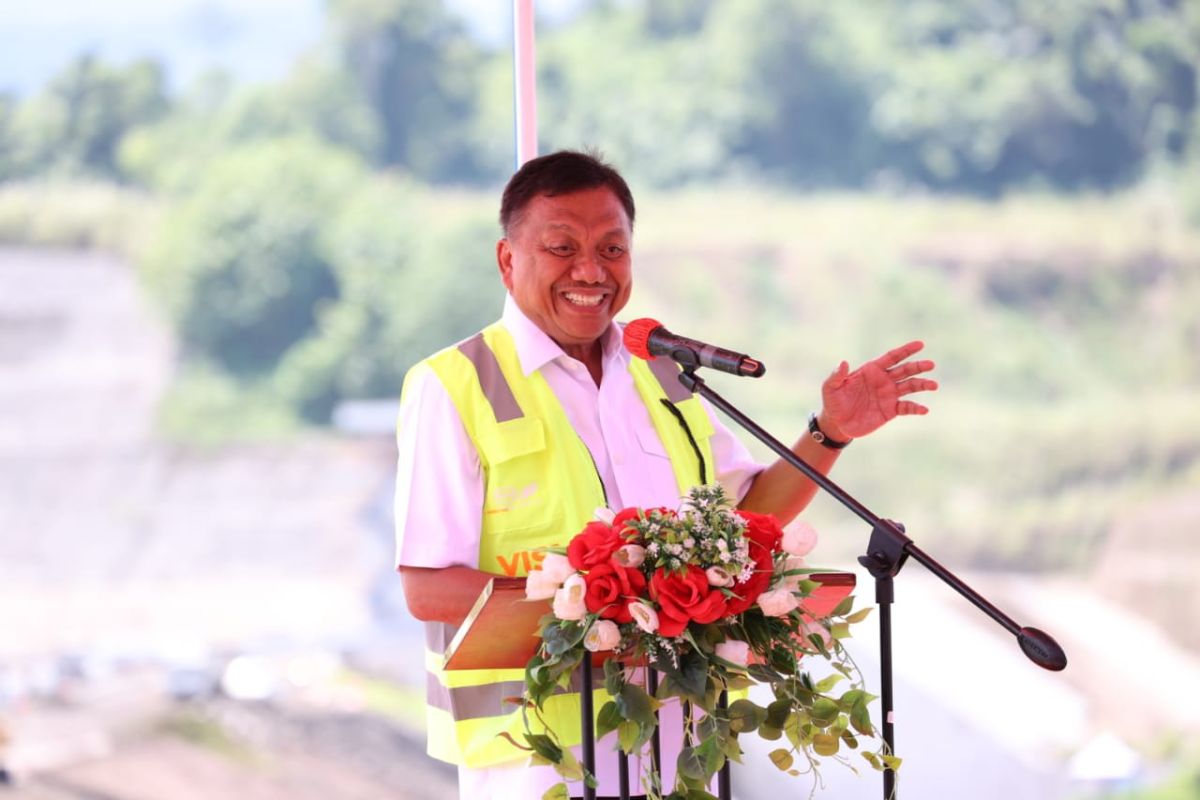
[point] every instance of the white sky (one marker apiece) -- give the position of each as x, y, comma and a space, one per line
254, 39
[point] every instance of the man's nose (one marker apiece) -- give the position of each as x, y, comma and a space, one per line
588, 269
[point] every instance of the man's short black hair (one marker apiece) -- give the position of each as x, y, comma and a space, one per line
560, 173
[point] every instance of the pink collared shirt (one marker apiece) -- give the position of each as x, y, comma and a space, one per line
439, 481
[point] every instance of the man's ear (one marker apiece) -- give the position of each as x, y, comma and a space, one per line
504, 258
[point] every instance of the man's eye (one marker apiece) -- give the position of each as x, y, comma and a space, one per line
561, 249
614, 251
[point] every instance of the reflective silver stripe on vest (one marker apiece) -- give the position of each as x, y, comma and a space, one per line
476, 702
495, 387
667, 373
490, 699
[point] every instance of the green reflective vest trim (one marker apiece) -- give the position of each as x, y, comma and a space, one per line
541, 487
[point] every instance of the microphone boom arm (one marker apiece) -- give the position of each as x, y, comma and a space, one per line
887, 550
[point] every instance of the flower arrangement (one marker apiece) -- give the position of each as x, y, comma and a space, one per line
713, 599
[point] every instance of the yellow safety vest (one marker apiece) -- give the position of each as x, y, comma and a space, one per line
542, 487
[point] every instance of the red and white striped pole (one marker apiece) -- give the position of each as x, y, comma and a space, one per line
524, 81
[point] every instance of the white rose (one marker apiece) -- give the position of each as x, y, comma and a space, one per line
799, 538
718, 577
630, 555
645, 616
539, 585
557, 567
778, 602
569, 600
734, 651
603, 635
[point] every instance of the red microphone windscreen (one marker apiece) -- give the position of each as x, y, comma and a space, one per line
637, 336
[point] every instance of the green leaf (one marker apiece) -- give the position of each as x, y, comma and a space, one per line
860, 718
634, 704
873, 760
769, 732
744, 716
709, 750
825, 744
690, 764
828, 682
892, 762
777, 713
545, 747
782, 759
614, 677
557, 792
558, 639
839, 631
843, 608
764, 674
824, 712
628, 734
693, 676
608, 719
569, 767
859, 616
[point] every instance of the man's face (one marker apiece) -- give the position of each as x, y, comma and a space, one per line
566, 263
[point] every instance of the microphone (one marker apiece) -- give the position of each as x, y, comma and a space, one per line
647, 338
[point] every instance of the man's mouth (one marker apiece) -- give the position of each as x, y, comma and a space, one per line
588, 300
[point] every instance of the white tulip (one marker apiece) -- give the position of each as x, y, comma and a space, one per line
799, 538
630, 555
778, 602
569, 600
645, 616
539, 585
718, 576
603, 635
557, 567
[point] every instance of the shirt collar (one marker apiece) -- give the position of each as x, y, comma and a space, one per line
535, 348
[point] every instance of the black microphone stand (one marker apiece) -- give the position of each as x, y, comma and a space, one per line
887, 551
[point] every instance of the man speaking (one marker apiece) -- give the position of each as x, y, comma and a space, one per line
511, 439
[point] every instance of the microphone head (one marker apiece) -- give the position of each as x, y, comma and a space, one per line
637, 336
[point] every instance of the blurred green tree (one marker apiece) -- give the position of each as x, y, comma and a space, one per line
75, 125
419, 71
239, 262
406, 287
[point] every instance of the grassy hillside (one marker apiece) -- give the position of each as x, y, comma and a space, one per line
1065, 331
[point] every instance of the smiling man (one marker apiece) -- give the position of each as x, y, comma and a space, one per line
509, 441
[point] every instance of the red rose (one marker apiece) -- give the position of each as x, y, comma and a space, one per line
765, 535
623, 516
592, 546
630, 514
683, 598
610, 587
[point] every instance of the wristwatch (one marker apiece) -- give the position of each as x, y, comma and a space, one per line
819, 436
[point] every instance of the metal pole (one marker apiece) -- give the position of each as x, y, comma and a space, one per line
524, 81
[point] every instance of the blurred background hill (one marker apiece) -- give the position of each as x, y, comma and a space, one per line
229, 229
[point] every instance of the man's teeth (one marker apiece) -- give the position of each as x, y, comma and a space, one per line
584, 299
